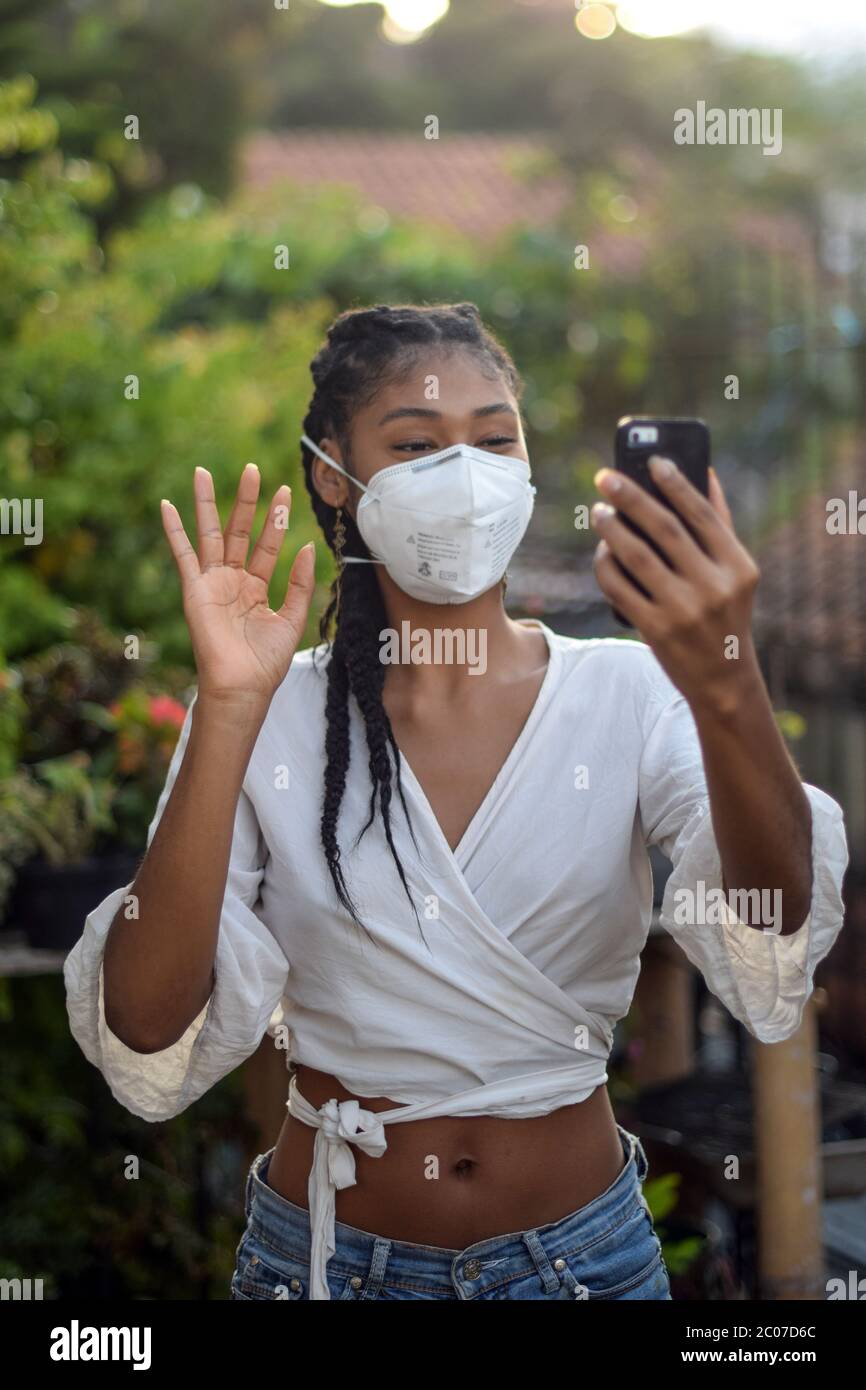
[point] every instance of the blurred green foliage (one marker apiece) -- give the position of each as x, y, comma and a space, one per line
86, 736
114, 394
71, 1215
179, 342
662, 1195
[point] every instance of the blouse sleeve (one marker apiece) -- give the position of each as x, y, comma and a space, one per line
250, 976
762, 977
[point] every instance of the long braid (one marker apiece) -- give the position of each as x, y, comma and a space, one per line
364, 349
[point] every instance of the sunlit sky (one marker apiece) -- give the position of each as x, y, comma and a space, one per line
820, 28
791, 25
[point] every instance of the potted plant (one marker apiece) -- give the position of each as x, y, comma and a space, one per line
92, 755
52, 814
693, 1247
140, 732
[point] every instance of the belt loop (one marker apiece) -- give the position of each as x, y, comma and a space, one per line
248, 1187
378, 1265
532, 1241
639, 1155
642, 1160
259, 1161
633, 1149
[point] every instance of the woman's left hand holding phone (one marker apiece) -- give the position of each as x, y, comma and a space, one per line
701, 601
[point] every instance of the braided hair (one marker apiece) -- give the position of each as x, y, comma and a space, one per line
365, 349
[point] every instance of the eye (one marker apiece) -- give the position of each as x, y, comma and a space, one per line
415, 446
430, 446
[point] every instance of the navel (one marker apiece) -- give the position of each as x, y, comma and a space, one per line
464, 1167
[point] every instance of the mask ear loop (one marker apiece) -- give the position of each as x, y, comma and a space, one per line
342, 559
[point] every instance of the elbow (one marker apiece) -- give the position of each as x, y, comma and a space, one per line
146, 1046
148, 1027
137, 1031
797, 912
135, 1035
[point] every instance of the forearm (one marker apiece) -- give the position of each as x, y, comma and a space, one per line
761, 815
159, 965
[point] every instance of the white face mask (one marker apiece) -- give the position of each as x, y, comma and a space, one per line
444, 526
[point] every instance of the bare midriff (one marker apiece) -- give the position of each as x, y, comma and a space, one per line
452, 1182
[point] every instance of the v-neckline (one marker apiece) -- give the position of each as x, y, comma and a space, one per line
507, 766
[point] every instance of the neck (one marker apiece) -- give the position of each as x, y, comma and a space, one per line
447, 649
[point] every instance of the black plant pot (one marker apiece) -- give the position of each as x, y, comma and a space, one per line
711, 1275
50, 902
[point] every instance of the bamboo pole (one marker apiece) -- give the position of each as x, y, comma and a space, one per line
789, 1177
662, 1008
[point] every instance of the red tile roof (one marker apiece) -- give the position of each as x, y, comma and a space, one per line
478, 184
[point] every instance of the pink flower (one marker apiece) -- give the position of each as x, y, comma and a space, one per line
164, 710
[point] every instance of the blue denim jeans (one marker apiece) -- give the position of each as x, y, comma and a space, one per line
606, 1249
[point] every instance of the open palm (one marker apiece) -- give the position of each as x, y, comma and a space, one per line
243, 648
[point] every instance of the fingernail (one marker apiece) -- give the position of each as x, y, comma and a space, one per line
605, 478
662, 467
601, 511
251, 465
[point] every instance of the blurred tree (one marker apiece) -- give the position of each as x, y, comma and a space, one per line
181, 343
182, 68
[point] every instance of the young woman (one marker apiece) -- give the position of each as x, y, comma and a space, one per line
437, 867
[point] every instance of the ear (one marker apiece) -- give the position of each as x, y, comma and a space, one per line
332, 487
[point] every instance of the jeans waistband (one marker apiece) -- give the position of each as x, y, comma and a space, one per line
286, 1227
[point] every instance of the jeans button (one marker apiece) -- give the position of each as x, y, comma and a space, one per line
471, 1269
559, 1265
295, 1285
356, 1282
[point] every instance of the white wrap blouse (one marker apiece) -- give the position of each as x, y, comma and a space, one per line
506, 1001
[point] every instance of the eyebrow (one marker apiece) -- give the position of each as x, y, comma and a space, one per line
405, 411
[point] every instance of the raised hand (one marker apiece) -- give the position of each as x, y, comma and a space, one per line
243, 648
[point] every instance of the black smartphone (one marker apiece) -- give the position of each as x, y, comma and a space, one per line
683, 439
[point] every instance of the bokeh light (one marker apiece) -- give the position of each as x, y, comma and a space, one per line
404, 21
655, 19
623, 208
595, 21
582, 337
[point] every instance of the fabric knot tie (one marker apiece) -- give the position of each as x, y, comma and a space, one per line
344, 1123
338, 1124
